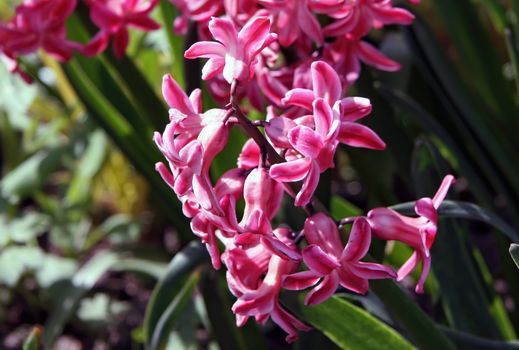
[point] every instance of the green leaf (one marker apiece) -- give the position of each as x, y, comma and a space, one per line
422, 330
486, 141
150, 268
352, 328
182, 264
341, 208
17, 260
67, 293
23, 228
218, 303
141, 152
31, 174
170, 317
90, 164
468, 341
176, 42
514, 252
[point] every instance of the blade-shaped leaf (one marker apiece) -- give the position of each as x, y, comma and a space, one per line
425, 334
352, 328
171, 315
182, 264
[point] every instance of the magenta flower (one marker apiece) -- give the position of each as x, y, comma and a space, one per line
417, 232
262, 301
335, 266
235, 54
195, 10
293, 18
315, 147
326, 85
312, 140
37, 24
262, 200
358, 17
346, 53
114, 18
190, 142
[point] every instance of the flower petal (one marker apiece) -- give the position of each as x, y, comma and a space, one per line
323, 290
306, 141
174, 95
371, 271
373, 57
358, 135
326, 82
354, 108
299, 97
318, 261
440, 195
300, 280
205, 49
291, 171
224, 31
358, 242
304, 196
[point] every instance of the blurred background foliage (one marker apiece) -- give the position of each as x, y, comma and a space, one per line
88, 229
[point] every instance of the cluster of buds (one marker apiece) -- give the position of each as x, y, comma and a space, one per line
277, 57
41, 24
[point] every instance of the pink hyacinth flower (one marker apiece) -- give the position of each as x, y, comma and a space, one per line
346, 53
262, 200
316, 148
358, 17
262, 302
316, 138
326, 84
235, 53
191, 141
195, 10
335, 266
293, 18
114, 17
417, 232
38, 24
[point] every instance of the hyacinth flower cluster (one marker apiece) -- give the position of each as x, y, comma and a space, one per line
41, 24
293, 61
278, 58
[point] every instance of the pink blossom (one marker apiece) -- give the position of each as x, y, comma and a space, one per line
195, 10
262, 197
326, 85
37, 24
312, 140
263, 302
417, 232
114, 17
315, 146
235, 53
293, 18
333, 265
358, 17
346, 53
191, 141
254, 275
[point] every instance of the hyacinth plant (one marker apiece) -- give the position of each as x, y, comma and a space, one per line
308, 116
282, 73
